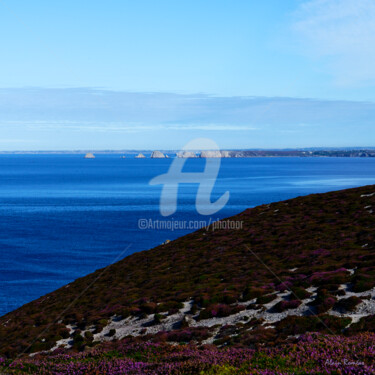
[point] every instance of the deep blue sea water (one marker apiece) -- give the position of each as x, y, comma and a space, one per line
62, 217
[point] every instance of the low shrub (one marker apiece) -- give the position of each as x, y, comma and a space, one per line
286, 305
299, 293
348, 304
265, 299
111, 332
219, 311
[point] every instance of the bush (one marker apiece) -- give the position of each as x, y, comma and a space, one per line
148, 308
157, 318
286, 285
187, 335
265, 299
89, 336
253, 292
324, 301
286, 305
167, 306
366, 323
219, 311
293, 325
300, 293
77, 338
184, 322
363, 282
111, 332
348, 304
326, 305
193, 309
64, 333
98, 328
339, 276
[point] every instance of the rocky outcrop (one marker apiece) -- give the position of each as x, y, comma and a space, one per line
89, 155
186, 154
140, 156
157, 155
215, 154
210, 154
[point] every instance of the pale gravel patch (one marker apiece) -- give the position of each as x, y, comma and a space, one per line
63, 343
133, 326
365, 308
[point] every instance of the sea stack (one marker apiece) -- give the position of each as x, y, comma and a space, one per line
215, 154
157, 155
139, 156
186, 154
89, 155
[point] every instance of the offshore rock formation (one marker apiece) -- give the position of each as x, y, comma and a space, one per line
186, 154
157, 155
89, 155
215, 154
210, 154
140, 156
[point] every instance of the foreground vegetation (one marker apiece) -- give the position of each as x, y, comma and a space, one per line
311, 354
314, 252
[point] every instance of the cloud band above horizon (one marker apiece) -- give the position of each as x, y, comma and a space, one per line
73, 118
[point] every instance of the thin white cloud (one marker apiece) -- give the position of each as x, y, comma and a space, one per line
342, 34
98, 119
120, 127
126, 111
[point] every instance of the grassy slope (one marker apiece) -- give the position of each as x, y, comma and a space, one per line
321, 235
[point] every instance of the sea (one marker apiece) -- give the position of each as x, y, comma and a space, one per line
63, 216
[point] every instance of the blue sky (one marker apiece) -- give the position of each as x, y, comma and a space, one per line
153, 74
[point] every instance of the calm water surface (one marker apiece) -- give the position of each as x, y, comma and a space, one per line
62, 216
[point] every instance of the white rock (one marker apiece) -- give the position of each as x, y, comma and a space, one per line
157, 155
186, 154
140, 156
210, 154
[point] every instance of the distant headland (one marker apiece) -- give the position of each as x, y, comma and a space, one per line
244, 153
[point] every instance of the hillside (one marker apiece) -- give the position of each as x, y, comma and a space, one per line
297, 266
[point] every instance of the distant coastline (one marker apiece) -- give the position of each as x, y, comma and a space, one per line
245, 153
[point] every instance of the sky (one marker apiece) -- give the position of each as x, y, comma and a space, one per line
145, 74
